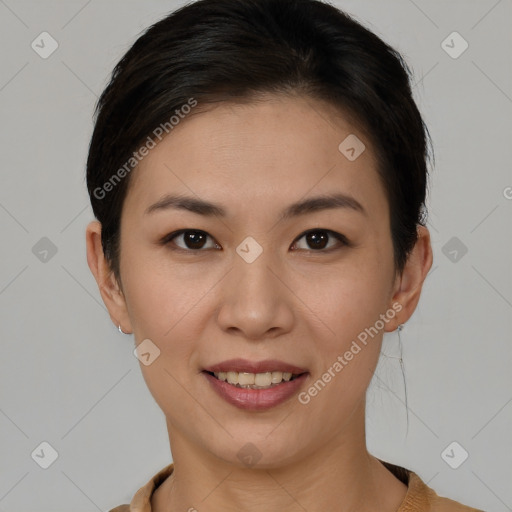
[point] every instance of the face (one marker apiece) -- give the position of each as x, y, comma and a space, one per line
247, 282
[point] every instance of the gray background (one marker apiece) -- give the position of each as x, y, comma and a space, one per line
69, 378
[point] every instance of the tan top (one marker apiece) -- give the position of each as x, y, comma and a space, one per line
419, 497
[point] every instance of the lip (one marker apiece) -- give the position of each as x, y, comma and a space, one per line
256, 399
244, 365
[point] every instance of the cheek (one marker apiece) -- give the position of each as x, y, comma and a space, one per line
168, 303
347, 345
349, 302
163, 309
350, 297
170, 390
158, 294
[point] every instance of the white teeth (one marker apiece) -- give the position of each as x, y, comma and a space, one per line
245, 378
253, 380
263, 379
232, 377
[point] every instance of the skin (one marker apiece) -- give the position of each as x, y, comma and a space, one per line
301, 305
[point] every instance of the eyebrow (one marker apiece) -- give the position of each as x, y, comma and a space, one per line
209, 209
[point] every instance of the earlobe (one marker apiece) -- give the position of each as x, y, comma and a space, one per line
410, 282
108, 286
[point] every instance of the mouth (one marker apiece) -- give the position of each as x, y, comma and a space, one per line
246, 380
247, 374
255, 386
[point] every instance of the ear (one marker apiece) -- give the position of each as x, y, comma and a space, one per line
407, 287
110, 289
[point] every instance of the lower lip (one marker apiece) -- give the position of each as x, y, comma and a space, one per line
256, 399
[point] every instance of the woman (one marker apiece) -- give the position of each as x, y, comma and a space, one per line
258, 174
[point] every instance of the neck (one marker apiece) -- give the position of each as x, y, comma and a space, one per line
340, 471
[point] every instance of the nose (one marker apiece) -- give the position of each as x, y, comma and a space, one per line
255, 301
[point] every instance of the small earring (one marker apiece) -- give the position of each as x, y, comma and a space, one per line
121, 331
399, 330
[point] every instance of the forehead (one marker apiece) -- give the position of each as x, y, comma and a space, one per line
275, 150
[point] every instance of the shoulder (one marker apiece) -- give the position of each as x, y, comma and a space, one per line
423, 498
141, 501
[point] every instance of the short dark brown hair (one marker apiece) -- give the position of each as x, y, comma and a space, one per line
225, 50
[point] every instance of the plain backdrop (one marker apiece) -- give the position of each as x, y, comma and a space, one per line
69, 378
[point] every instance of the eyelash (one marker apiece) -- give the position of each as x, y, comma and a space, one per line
167, 240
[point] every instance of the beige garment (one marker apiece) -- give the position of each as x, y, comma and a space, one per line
419, 497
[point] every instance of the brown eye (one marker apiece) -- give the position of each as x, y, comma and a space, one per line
318, 240
192, 240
